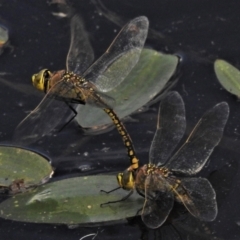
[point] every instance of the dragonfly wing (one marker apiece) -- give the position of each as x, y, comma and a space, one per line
99, 99
199, 198
119, 59
193, 155
170, 129
42, 120
158, 201
80, 54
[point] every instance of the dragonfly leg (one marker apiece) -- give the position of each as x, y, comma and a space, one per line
107, 192
120, 200
75, 114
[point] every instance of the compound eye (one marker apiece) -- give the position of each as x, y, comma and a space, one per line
47, 74
126, 180
40, 80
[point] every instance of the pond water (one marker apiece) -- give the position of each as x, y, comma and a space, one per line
198, 32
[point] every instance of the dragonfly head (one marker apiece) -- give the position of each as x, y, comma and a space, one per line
40, 80
126, 180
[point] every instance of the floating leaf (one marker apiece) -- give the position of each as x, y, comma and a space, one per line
228, 76
72, 201
3, 35
144, 82
19, 164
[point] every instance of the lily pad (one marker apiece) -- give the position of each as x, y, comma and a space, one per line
21, 164
72, 201
3, 35
228, 76
144, 82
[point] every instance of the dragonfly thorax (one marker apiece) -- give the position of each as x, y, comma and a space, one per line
76, 79
153, 177
154, 169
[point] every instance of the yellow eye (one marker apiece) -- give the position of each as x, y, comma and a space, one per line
40, 80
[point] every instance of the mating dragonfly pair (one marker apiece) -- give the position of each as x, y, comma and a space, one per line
157, 181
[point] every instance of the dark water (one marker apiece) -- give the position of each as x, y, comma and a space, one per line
198, 31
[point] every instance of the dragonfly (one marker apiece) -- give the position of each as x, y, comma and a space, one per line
83, 82
167, 178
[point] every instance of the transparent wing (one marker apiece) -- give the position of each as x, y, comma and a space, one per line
80, 54
170, 129
42, 120
192, 156
158, 201
53, 108
199, 198
119, 59
96, 98
100, 100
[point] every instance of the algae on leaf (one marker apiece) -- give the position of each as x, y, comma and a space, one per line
21, 168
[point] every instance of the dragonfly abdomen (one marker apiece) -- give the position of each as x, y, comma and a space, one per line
126, 138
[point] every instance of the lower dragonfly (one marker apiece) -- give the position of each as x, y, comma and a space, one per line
81, 84
162, 181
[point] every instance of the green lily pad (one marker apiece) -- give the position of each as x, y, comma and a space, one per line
20, 164
144, 82
72, 201
228, 76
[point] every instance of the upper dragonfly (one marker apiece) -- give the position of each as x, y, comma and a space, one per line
161, 181
81, 84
